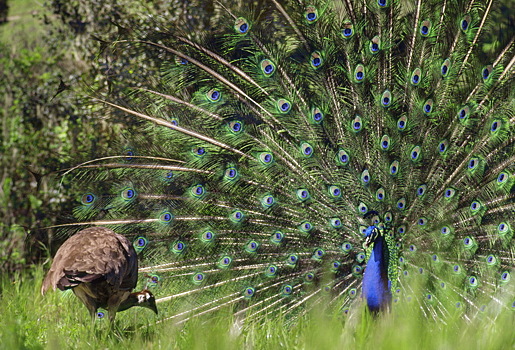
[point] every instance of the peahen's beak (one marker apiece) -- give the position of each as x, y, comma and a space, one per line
153, 306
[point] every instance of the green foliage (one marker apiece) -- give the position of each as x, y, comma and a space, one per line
45, 129
59, 320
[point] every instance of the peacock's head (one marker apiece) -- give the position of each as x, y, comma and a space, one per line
145, 298
371, 234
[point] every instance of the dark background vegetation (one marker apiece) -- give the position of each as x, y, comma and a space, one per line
49, 55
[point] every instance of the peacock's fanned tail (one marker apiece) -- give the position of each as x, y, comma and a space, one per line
270, 145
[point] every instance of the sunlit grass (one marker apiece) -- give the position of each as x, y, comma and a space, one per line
24, 28
59, 320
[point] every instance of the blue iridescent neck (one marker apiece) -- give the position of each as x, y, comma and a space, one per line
376, 286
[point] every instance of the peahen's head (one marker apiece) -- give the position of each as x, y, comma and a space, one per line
145, 298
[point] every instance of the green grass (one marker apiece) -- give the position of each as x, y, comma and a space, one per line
59, 321
24, 27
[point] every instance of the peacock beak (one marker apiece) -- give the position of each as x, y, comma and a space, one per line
367, 242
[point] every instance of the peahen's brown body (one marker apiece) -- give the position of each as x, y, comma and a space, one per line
101, 267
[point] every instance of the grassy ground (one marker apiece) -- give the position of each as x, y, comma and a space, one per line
23, 25
59, 321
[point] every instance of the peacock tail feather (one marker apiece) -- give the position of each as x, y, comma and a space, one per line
281, 155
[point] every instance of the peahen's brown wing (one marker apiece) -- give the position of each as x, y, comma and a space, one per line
93, 254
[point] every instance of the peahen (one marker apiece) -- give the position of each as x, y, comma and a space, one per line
361, 152
101, 267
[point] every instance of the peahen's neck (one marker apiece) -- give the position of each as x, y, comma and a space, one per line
376, 288
131, 301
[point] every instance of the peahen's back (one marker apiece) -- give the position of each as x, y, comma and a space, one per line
271, 144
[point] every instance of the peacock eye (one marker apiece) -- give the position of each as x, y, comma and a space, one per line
309, 277
365, 177
442, 146
306, 226
277, 237
486, 72
267, 67
415, 154
224, 262
428, 107
495, 126
198, 152
316, 60
266, 158
357, 270
386, 99
473, 164
178, 247
128, 194
346, 247
207, 236
283, 106
198, 278
235, 127
335, 191
505, 277
311, 14
88, 199
267, 201
214, 95
356, 124
415, 76
198, 191
271, 271
348, 29
316, 116
383, 3
425, 28
306, 149
251, 246
139, 244
180, 61
237, 216
166, 217
286, 290
465, 22
303, 194
318, 254
241, 26
473, 281
231, 173
292, 259
359, 73
335, 222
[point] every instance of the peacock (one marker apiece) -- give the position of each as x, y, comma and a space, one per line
300, 152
